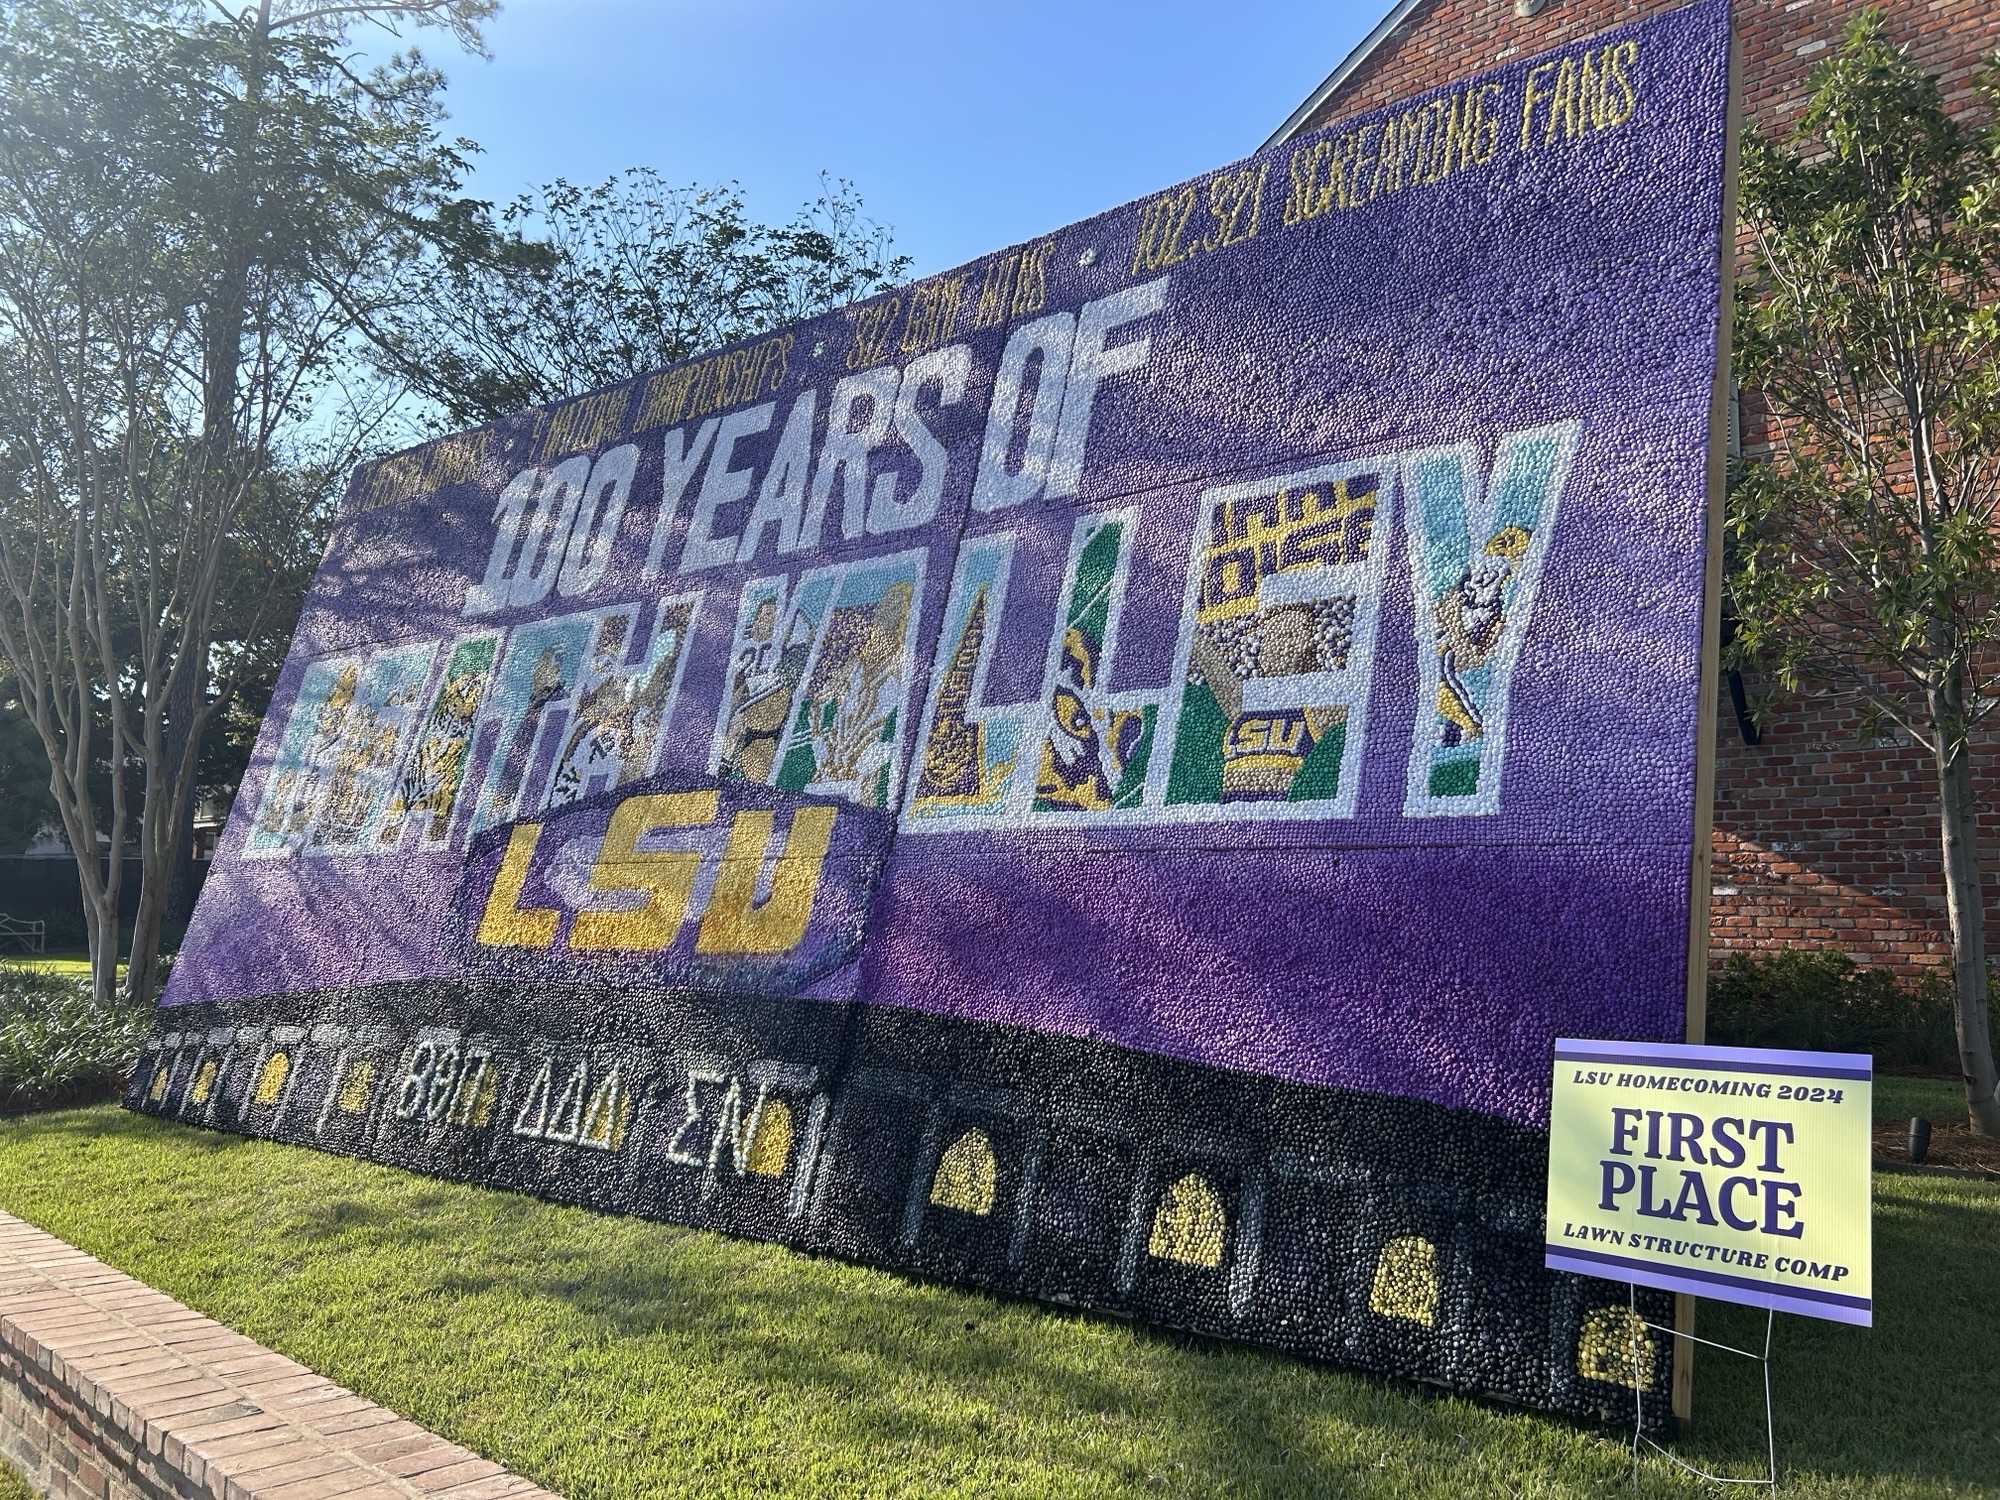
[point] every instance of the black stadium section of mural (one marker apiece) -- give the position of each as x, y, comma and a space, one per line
1379, 1233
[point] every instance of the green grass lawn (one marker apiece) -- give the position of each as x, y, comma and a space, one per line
613, 1357
74, 965
1898, 1098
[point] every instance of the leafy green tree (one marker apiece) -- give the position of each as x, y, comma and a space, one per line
273, 555
269, 562
580, 287
203, 207
1867, 556
26, 807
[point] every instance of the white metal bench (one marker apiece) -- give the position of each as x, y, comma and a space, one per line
28, 936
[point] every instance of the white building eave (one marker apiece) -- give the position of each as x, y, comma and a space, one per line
1348, 65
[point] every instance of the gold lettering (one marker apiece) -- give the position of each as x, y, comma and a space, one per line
1419, 141
1411, 135
1031, 284
1340, 169
1530, 96
872, 325
611, 415
933, 318
1231, 197
1168, 249
1445, 139
664, 400
1485, 131
1305, 165
916, 323
701, 389
996, 287
733, 922
1590, 90
396, 479
1564, 103
581, 424
1454, 137
1618, 110
1388, 173
506, 923
1327, 190
455, 460
1365, 157
666, 875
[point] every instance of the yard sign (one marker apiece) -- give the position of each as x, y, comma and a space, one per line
1735, 1173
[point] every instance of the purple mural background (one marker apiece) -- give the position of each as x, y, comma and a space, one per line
1575, 280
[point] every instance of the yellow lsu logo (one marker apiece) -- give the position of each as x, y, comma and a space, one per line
1280, 734
734, 922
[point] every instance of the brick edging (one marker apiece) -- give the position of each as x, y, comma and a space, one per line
113, 1391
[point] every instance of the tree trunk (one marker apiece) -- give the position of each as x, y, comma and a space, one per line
98, 881
97, 890
180, 861
163, 834
166, 872
1966, 904
142, 968
100, 920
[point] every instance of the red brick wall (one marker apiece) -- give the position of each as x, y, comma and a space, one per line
1781, 39
66, 1449
1821, 838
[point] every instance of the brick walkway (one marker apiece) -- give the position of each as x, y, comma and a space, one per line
111, 1390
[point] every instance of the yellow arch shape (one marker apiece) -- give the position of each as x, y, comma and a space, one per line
357, 1086
1190, 1226
484, 1097
966, 1175
271, 1081
771, 1144
204, 1082
1605, 1348
1406, 1281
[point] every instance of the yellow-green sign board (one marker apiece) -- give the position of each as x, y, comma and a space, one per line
1729, 1172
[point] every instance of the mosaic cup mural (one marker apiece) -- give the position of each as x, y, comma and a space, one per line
1099, 774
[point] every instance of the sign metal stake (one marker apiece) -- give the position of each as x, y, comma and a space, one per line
1770, 1478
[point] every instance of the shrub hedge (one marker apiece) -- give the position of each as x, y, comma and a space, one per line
58, 1045
1824, 1001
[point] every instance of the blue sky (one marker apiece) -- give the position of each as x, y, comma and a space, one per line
965, 127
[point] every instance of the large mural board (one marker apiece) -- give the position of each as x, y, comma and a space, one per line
1099, 774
